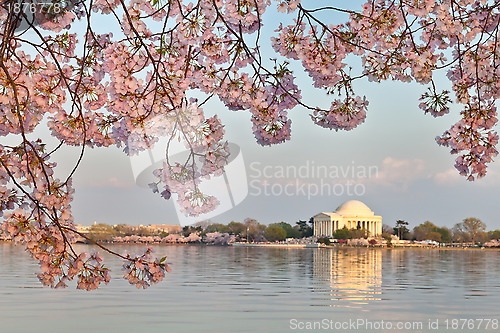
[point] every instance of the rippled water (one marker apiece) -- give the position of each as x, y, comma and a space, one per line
226, 289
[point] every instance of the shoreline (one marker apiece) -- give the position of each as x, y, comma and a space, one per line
299, 246
314, 246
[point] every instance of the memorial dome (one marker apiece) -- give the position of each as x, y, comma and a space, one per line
354, 208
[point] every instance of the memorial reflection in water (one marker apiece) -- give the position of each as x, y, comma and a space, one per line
352, 274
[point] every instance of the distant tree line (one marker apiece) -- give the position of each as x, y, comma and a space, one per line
249, 230
253, 231
470, 230
102, 232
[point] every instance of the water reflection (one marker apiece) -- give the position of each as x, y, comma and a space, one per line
353, 275
432, 271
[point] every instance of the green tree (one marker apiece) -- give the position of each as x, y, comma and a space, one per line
101, 232
435, 236
360, 233
428, 230
236, 228
123, 230
275, 232
304, 229
290, 231
420, 231
495, 234
188, 230
324, 240
311, 222
343, 233
217, 227
471, 229
445, 234
401, 230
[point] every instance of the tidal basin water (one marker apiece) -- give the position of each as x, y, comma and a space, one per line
230, 289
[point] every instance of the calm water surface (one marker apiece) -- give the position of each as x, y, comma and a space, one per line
229, 289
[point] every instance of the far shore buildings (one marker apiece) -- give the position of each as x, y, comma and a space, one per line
352, 214
168, 228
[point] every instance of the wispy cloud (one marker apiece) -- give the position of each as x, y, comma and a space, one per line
399, 174
451, 177
448, 177
112, 182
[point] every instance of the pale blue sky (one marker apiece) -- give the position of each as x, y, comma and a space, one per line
416, 180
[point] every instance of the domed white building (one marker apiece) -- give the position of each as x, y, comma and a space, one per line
352, 214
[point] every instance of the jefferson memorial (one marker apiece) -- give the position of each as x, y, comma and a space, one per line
352, 214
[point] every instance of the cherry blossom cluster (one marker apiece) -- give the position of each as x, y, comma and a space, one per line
143, 270
434, 103
59, 264
218, 238
406, 41
344, 115
171, 238
474, 135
